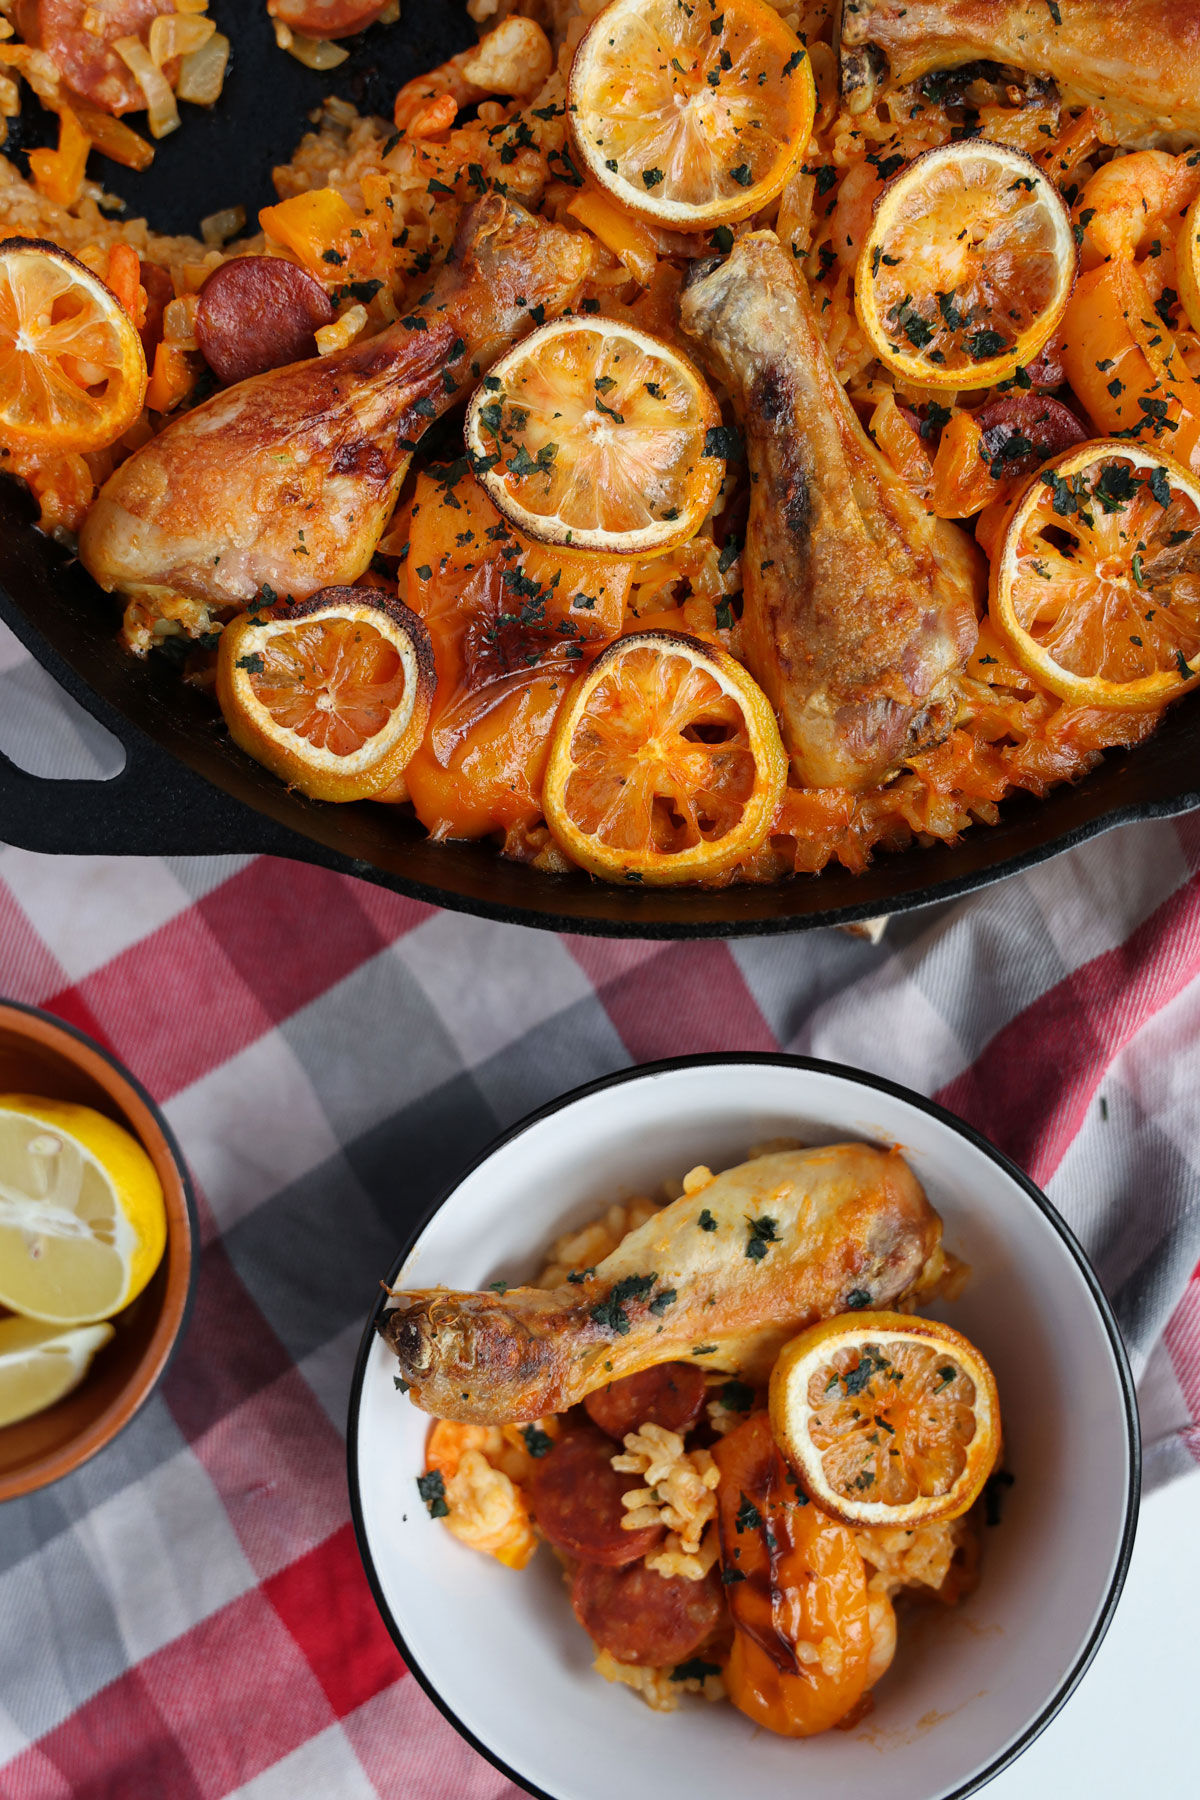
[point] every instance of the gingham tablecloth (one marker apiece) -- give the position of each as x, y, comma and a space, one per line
186, 1618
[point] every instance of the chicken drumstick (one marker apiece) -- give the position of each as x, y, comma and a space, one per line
860, 606
722, 1277
287, 480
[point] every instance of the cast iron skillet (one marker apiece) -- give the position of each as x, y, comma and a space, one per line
186, 790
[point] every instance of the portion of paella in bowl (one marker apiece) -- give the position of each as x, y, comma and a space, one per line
684, 443
727, 1420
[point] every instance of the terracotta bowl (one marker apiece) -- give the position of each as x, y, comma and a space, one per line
41, 1055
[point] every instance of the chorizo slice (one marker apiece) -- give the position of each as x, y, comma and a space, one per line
258, 313
670, 1394
642, 1617
327, 18
78, 37
576, 1495
1020, 431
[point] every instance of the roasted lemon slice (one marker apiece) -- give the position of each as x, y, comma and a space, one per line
72, 367
82, 1219
968, 266
1096, 583
597, 435
886, 1419
693, 116
666, 763
331, 694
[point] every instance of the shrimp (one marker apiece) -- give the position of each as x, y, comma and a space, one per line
487, 1509
1133, 200
514, 58
881, 1624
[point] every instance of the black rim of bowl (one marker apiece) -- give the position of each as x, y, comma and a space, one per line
189, 1201
1074, 1675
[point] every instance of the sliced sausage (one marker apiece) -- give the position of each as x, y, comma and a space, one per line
1021, 430
78, 37
576, 1495
327, 18
642, 1617
160, 291
258, 313
670, 1394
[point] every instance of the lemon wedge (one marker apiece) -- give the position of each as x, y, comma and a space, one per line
40, 1364
83, 1224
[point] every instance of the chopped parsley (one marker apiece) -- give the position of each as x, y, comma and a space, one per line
662, 1300
723, 440
252, 663
729, 1576
763, 1233
737, 1396
432, 1490
945, 1376
742, 174
536, 1440
857, 1298
652, 177
399, 1383
610, 1313
748, 1517
695, 1670
706, 1222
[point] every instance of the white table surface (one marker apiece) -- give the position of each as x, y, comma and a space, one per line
1128, 1729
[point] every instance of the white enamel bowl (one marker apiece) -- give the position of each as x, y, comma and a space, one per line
501, 1653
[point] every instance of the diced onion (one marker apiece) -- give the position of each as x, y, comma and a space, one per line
202, 75
314, 53
177, 34
162, 114
179, 322
341, 332
114, 138
219, 227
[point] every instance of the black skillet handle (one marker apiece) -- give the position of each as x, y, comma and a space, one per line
156, 806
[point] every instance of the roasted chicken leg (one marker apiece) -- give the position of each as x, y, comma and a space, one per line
286, 480
1137, 58
860, 606
794, 1237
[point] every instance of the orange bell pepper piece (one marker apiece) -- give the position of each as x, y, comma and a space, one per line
504, 662
172, 379
1125, 365
324, 232
962, 484
628, 239
124, 277
58, 174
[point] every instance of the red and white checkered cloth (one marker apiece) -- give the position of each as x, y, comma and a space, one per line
186, 1618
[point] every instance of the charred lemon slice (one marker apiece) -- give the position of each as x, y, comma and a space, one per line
666, 763
333, 694
597, 435
1096, 583
887, 1419
72, 367
967, 267
693, 116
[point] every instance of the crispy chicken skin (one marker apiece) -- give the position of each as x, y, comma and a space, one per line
843, 1223
287, 480
860, 606
1136, 57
